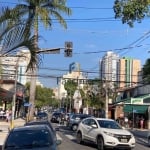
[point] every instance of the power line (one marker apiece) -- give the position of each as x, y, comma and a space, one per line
74, 7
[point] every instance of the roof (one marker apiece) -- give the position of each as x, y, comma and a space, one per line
35, 127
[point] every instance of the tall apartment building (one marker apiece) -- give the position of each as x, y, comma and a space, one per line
122, 71
109, 66
129, 70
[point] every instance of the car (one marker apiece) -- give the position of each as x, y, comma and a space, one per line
148, 138
75, 119
56, 116
67, 116
37, 137
44, 122
42, 116
105, 133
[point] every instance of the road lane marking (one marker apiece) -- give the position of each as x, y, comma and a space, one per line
58, 137
70, 137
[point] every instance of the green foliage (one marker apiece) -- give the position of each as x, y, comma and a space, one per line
44, 96
14, 35
70, 86
146, 71
131, 10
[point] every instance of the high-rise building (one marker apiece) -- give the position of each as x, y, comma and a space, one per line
129, 70
124, 72
109, 67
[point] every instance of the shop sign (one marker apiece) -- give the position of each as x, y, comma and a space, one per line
136, 101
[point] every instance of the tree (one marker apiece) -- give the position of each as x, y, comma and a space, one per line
146, 71
131, 11
70, 86
15, 35
38, 11
43, 97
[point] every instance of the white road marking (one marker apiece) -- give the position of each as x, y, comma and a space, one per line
70, 137
58, 137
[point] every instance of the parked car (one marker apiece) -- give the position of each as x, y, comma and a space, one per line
75, 119
67, 116
42, 116
37, 137
56, 117
105, 133
43, 122
148, 138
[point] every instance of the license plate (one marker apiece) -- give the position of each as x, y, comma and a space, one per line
124, 140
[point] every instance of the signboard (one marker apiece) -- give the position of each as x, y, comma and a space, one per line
136, 101
27, 104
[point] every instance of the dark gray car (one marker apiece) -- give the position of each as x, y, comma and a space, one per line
37, 137
43, 122
75, 119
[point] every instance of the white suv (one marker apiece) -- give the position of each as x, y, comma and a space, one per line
106, 133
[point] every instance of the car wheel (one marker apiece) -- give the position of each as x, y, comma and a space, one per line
100, 143
74, 127
148, 141
79, 138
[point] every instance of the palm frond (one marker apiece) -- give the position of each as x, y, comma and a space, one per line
16, 35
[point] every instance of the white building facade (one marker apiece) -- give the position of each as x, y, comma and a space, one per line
78, 76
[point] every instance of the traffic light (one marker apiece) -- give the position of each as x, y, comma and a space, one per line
68, 49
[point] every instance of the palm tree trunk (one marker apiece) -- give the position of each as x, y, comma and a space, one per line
34, 75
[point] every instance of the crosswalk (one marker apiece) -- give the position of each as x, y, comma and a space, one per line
70, 137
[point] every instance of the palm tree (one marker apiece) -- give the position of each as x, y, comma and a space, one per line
14, 36
35, 12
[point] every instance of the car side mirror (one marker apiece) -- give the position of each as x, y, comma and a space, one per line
94, 126
77, 118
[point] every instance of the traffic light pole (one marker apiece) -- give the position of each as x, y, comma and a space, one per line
67, 53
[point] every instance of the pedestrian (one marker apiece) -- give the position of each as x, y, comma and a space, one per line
7, 115
126, 122
142, 123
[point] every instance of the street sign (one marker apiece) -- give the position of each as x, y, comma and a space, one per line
27, 104
49, 51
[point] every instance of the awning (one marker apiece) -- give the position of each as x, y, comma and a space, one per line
135, 108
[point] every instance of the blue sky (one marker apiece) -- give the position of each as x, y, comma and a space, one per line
92, 29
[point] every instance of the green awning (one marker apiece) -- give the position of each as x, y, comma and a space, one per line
135, 108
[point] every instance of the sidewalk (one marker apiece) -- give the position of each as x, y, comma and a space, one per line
5, 126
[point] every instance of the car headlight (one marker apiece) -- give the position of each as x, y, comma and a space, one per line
109, 133
132, 136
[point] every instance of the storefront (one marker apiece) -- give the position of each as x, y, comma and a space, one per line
136, 109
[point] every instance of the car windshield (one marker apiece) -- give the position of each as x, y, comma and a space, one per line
109, 124
56, 114
29, 139
42, 114
40, 123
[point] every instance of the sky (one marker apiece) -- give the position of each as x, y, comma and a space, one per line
93, 31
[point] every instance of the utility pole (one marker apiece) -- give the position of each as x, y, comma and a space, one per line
15, 92
105, 86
